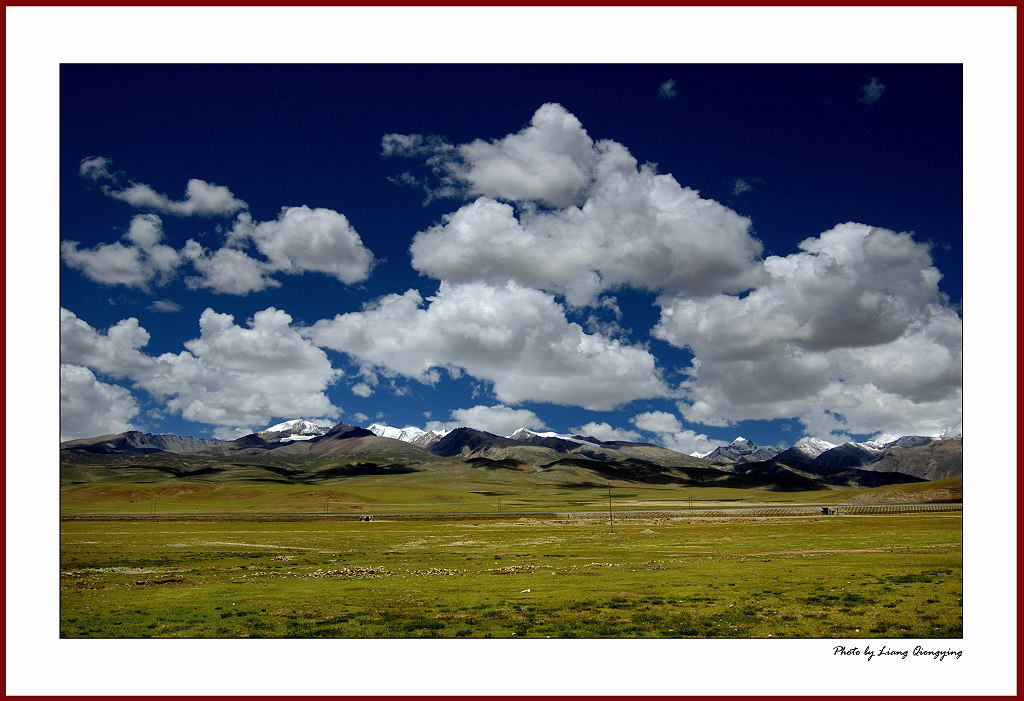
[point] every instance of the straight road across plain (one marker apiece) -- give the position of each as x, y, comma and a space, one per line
626, 514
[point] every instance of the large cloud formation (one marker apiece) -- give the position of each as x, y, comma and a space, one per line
514, 337
851, 335
848, 335
242, 377
589, 220
233, 377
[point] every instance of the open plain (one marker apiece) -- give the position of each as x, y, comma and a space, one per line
312, 569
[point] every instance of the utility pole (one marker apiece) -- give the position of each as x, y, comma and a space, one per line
499, 503
611, 522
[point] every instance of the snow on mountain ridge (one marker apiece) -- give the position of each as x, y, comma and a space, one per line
298, 429
300, 424
409, 434
954, 431
813, 447
523, 433
741, 450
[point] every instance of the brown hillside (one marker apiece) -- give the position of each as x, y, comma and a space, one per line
937, 460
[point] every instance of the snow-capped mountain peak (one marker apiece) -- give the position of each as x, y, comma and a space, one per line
410, 434
954, 431
299, 425
522, 434
297, 429
741, 450
407, 434
813, 447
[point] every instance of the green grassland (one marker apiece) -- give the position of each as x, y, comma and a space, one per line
357, 496
665, 576
451, 486
798, 577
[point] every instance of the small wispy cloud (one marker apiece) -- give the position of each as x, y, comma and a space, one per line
872, 91
201, 198
746, 183
165, 306
362, 390
667, 90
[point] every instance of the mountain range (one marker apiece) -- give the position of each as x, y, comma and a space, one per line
921, 456
300, 450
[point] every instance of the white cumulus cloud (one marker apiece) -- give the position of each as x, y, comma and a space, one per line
227, 270
604, 431
499, 419
672, 435
115, 353
849, 335
232, 377
238, 377
89, 407
144, 259
657, 422
305, 239
551, 161
608, 223
300, 240
362, 389
515, 337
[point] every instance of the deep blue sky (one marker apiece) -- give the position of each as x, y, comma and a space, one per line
812, 149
